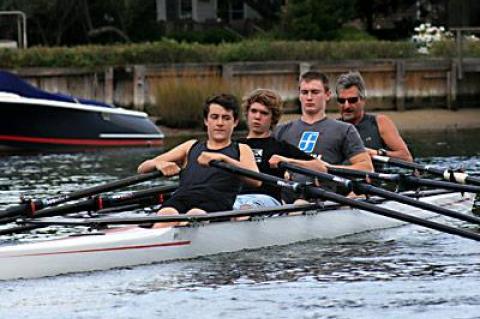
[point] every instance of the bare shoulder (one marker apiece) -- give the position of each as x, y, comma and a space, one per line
384, 120
183, 148
244, 147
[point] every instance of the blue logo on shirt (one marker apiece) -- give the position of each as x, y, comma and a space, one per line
308, 141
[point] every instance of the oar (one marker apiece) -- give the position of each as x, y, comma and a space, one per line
405, 179
100, 202
321, 193
147, 197
30, 206
364, 188
263, 211
96, 222
447, 174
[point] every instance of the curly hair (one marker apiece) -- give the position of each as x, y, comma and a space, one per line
268, 98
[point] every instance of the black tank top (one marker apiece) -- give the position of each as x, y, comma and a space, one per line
368, 130
209, 183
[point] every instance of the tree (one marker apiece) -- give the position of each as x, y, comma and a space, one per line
316, 19
71, 22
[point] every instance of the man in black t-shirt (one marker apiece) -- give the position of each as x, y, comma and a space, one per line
263, 109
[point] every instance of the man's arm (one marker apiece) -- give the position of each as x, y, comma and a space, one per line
390, 135
168, 163
291, 154
360, 161
247, 161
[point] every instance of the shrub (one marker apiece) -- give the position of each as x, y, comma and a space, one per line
179, 101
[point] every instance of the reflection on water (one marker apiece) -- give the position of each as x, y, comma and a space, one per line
405, 272
447, 143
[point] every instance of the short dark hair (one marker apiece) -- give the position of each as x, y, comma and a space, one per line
227, 101
314, 75
269, 99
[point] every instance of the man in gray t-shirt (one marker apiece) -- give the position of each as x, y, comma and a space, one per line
336, 142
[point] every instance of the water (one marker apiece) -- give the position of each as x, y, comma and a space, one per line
408, 272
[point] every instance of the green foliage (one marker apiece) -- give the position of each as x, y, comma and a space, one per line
179, 101
316, 19
448, 48
210, 36
169, 51
348, 33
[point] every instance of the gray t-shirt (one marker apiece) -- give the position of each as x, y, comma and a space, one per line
334, 140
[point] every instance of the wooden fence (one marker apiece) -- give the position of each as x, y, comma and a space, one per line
391, 84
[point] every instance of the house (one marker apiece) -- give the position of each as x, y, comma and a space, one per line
202, 11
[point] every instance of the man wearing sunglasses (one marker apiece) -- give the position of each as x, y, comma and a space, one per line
378, 132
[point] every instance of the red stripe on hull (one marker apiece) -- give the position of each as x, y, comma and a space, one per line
80, 142
169, 244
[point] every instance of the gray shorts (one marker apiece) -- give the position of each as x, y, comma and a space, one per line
255, 201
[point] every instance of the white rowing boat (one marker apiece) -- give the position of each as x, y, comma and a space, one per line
131, 245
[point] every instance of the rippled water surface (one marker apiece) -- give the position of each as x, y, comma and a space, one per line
407, 272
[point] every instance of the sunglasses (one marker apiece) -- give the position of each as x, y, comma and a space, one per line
351, 100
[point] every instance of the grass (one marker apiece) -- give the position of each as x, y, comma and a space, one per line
179, 100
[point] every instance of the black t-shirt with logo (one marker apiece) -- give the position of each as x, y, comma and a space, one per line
263, 149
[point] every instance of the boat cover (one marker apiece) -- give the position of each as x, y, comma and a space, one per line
11, 83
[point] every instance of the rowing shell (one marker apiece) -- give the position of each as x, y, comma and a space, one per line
130, 246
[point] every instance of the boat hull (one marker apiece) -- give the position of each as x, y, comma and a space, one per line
35, 124
130, 246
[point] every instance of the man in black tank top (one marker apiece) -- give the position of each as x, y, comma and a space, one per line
202, 188
378, 132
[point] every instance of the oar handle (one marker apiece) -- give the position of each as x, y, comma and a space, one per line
362, 174
324, 176
269, 179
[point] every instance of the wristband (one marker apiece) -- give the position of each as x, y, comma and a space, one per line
382, 152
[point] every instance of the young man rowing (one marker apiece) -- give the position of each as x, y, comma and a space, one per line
337, 143
263, 110
202, 188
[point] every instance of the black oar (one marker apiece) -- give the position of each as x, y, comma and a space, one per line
364, 188
404, 179
99, 202
321, 193
96, 222
263, 211
447, 174
32, 205
144, 198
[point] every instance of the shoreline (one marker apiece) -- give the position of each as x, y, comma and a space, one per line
410, 121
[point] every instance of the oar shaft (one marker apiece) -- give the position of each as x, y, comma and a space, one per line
363, 174
318, 192
441, 184
100, 202
33, 205
369, 189
393, 214
363, 188
447, 174
402, 178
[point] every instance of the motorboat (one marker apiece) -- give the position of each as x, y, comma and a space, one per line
33, 119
